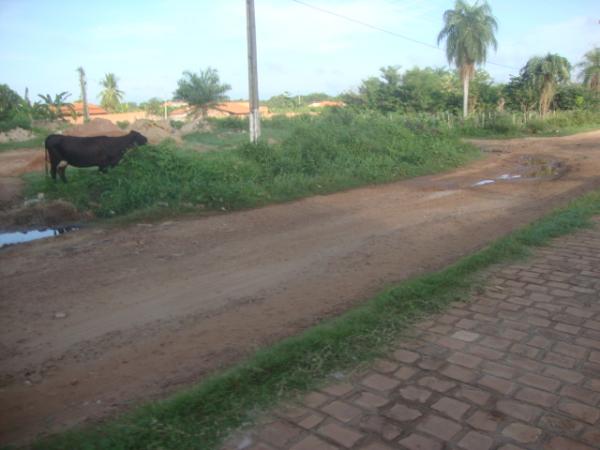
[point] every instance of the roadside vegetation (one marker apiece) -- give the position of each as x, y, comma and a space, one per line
203, 415
314, 155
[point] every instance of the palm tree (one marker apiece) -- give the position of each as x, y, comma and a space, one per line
544, 73
590, 70
57, 107
111, 96
83, 84
201, 91
468, 31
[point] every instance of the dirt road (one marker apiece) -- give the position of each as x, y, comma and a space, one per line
103, 318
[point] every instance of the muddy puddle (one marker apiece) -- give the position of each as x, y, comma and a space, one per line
19, 237
529, 167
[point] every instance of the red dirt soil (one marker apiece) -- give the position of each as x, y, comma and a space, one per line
104, 318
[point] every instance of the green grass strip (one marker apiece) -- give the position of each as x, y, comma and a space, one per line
201, 417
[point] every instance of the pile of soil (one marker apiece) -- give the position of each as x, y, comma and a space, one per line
156, 131
95, 127
41, 213
196, 125
16, 135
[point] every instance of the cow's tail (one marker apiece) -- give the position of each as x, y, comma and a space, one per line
46, 159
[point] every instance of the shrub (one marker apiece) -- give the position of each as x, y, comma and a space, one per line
333, 151
122, 124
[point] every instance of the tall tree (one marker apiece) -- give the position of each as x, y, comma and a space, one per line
111, 96
468, 31
544, 73
590, 70
201, 90
83, 85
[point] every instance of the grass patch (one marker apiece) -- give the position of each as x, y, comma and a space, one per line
36, 142
202, 416
314, 155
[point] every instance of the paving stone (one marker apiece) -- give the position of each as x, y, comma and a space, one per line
583, 395
338, 389
439, 427
569, 376
472, 394
279, 433
403, 413
522, 433
498, 370
486, 420
344, 436
419, 442
405, 372
545, 383
562, 443
450, 407
415, 394
518, 410
313, 443
380, 382
559, 360
381, 426
536, 397
405, 356
342, 411
315, 399
436, 384
466, 336
464, 359
496, 384
375, 446
475, 441
370, 401
580, 411
385, 365
311, 421
459, 373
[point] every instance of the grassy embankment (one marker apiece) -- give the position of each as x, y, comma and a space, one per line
299, 157
201, 416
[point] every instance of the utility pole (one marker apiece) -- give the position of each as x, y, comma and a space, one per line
252, 73
83, 85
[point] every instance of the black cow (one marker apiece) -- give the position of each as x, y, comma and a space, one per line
101, 151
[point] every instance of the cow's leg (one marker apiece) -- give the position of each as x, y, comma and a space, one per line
62, 167
54, 161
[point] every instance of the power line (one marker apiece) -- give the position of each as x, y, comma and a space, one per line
392, 33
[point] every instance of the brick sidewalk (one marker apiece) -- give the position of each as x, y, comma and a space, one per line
516, 368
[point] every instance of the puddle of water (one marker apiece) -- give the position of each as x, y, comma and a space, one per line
508, 176
18, 237
483, 182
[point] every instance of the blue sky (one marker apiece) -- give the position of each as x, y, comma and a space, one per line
148, 44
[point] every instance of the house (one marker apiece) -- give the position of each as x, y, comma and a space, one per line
93, 110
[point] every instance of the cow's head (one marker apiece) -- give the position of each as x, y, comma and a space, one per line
138, 138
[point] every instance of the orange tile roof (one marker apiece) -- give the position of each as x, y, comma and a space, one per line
93, 110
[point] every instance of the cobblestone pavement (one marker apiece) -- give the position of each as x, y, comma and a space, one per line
518, 367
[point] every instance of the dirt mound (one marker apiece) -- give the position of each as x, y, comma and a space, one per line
16, 135
196, 125
155, 131
40, 213
95, 127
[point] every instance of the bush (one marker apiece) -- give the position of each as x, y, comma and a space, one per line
122, 124
333, 151
230, 123
19, 119
177, 124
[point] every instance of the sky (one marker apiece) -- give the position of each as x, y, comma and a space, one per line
148, 44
